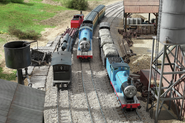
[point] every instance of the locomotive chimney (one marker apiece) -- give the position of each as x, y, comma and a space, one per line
80, 12
129, 80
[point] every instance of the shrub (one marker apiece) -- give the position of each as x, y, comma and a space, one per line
75, 4
17, 1
1, 32
29, 34
5, 1
13, 1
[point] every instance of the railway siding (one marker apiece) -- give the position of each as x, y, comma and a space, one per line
72, 102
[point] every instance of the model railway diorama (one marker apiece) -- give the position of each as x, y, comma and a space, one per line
75, 47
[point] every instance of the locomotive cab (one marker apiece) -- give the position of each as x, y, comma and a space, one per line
77, 20
61, 62
88, 23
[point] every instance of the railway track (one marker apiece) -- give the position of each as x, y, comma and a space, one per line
111, 14
89, 97
90, 88
64, 111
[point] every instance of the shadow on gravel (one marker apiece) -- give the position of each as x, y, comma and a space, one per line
109, 113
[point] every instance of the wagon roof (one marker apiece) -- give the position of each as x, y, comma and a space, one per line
91, 16
98, 8
61, 57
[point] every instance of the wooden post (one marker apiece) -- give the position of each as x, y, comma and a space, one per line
126, 22
156, 25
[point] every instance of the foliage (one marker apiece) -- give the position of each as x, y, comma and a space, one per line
13, 1
75, 4
11, 76
1, 32
29, 34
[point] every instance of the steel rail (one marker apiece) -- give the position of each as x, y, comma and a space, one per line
58, 112
96, 93
109, 10
70, 104
118, 13
114, 4
138, 115
86, 95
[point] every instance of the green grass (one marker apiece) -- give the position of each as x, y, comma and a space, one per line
11, 76
27, 16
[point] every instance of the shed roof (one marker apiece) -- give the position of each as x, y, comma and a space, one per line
20, 104
141, 6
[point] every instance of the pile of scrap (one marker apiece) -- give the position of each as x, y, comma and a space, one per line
39, 58
126, 51
125, 45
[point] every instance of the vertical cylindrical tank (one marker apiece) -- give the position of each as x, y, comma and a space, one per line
171, 25
128, 21
17, 54
131, 20
134, 20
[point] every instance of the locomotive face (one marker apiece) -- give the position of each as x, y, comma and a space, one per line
130, 91
84, 46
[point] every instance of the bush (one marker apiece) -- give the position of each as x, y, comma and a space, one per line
13, 1
17, 1
75, 4
5, 1
1, 32
29, 34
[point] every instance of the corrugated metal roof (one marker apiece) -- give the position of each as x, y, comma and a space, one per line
141, 6
20, 104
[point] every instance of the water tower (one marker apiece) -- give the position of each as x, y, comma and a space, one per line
171, 34
17, 56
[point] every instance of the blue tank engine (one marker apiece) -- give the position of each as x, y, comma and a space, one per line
85, 42
118, 71
85, 50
